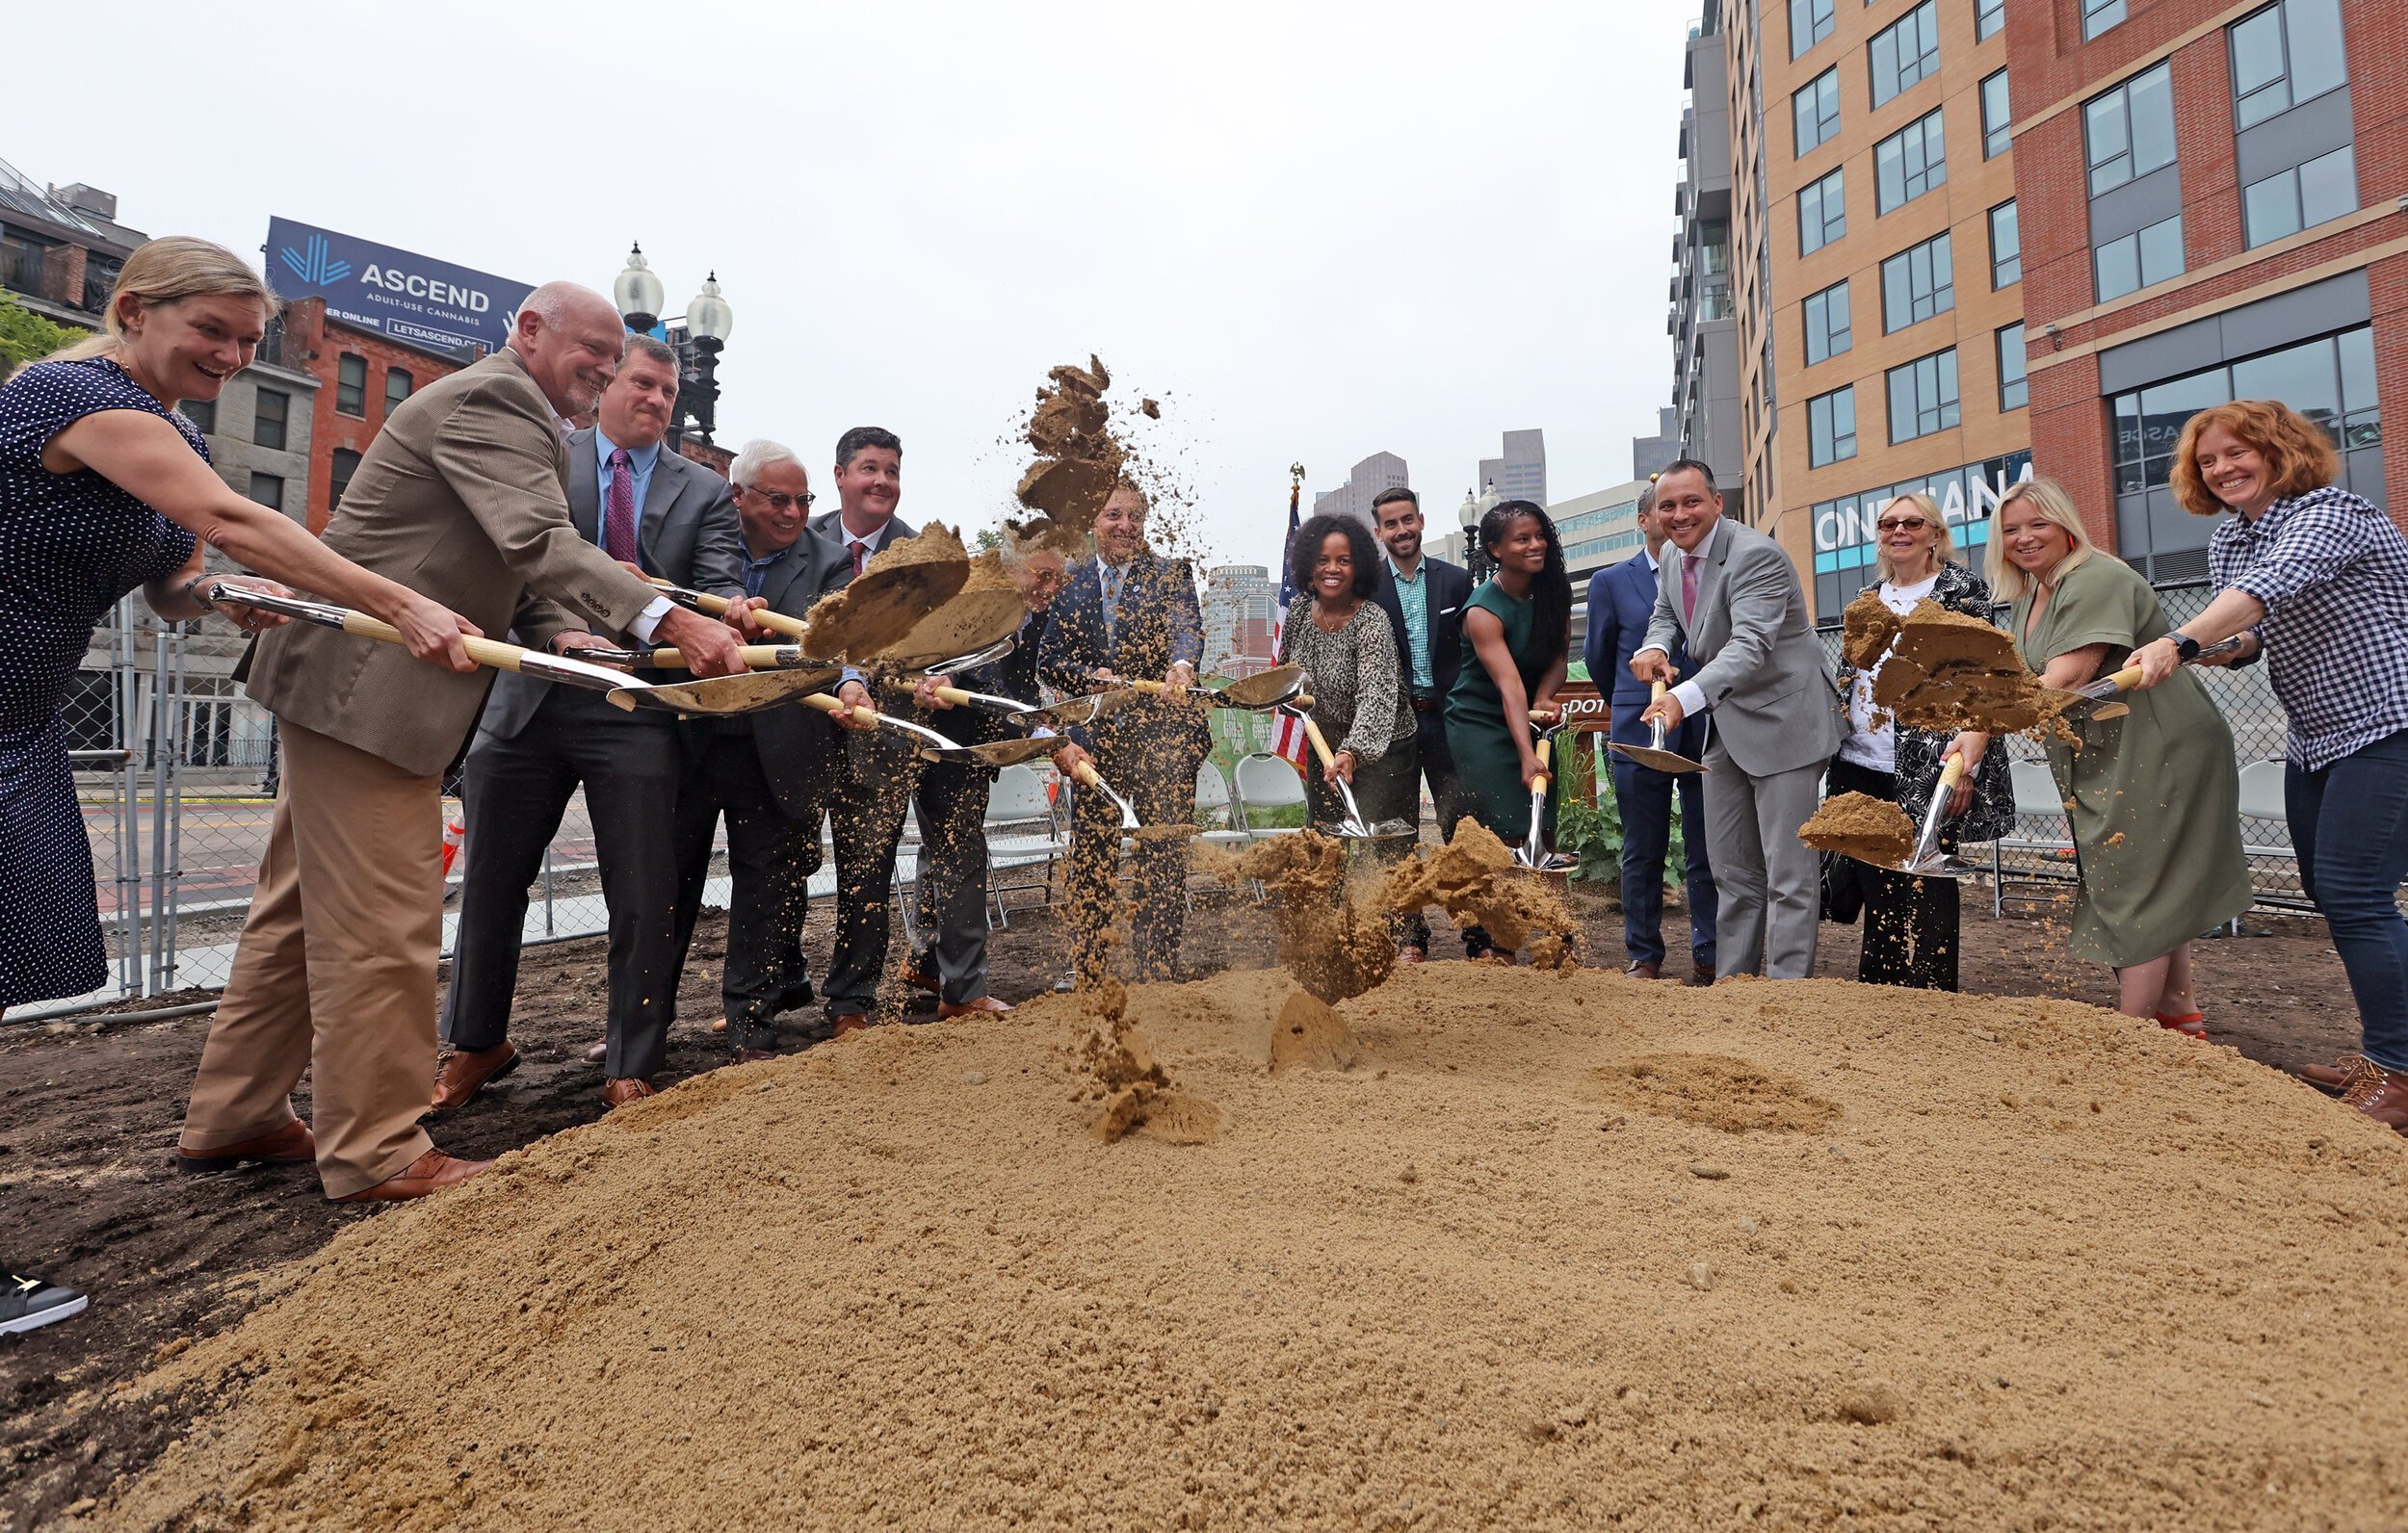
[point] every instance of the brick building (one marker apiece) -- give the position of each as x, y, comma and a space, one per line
361, 373
61, 248
2231, 192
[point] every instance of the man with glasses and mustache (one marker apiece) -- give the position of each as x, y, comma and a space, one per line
660, 515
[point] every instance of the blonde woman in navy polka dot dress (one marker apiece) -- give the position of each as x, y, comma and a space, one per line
103, 488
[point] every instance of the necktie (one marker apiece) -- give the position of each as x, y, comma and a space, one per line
1689, 584
860, 554
1111, 603
619, 521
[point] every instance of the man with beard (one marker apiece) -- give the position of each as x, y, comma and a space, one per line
1424, 597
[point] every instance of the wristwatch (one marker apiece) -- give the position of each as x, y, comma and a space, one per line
2185, 648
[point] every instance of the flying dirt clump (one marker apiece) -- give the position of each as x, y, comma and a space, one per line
1866, 628
986, 609
1116, 1066
1473, 877
1951, 671
900, 588
1078, 458
1861, 826
1333, 937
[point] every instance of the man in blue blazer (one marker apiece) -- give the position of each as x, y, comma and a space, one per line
1129, 614
1424, 597
1620, 599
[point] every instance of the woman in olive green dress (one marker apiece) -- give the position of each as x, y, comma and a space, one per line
1517, 635
2155, 796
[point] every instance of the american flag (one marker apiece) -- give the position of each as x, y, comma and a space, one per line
1286, 737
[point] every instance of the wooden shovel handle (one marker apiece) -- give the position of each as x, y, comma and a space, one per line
757, 657
483, 651
1539, 784
1320, 745
1085, 772
830, 705
952, 694
718, 605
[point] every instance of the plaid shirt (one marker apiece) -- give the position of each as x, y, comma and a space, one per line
2333, 573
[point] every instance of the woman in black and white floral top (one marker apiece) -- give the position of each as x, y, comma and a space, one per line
1339, 634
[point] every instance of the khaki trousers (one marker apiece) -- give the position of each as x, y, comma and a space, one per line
335, 970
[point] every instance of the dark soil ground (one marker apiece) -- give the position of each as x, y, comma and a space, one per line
89, 1108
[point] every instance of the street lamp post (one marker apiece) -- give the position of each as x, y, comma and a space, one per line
697, 338
1474, 557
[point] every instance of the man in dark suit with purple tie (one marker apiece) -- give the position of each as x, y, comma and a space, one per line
1620, 598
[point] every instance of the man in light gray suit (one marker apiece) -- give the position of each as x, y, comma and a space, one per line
648, 508
1773, 722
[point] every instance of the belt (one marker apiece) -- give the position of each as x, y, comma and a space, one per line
1427, 705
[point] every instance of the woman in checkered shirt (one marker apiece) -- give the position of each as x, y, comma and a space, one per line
2317, 580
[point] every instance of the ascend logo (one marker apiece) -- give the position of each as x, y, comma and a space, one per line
314, 265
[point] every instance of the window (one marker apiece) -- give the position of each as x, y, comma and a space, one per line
1831, 426
1905, 51
1909, 162
2139, 260
346, 463
1821, 214
1917, 283
2014, 391
1997, 118
2130, 130
2284, 55
2300, 197
1922, 395
202, 413
2006, 248
267, 424
1810, 22
351, 386
1827, 331
1817, 107
1989, 15
397, 387
2097, 15
268, 489
23, 258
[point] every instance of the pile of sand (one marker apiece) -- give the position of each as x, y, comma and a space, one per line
1861, 826
1557, 1252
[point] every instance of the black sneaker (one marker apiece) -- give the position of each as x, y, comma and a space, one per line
28, 1304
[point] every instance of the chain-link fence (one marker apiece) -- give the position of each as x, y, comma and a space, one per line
2037, 858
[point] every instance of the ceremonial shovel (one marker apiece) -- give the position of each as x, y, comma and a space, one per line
1653, 754
1354, 827
742, 693
1927, 860
1532, 854
1257, 693
2096, 693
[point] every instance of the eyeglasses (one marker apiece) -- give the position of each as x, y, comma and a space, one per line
1903, 524
780, 501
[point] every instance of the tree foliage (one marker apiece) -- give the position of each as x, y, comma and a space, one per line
27, 337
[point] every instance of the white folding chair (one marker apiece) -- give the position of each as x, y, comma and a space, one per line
1022, 837
1218, 810
2036, 797
1266, 781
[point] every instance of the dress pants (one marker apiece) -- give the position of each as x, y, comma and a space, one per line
2349, 826
1151, 758
873, 790
770, 858
950, 887
335, 969
1911, 924
1433, 763
1768, 883
1386, 789
515, 795
1644, 797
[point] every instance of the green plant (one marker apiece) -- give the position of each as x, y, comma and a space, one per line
27, 337
1592, 831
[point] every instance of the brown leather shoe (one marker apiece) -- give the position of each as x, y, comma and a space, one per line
2337, 1076
1699, 977
947, 1010
2381, 1095
845, 1022
718, 1023
1641, 968
920, 979
431, 1172
466, 1072
624, 1089
753, 1056
289, 1146
597, 1050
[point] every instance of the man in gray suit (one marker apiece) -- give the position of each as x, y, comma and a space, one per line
1732, 598
647, 508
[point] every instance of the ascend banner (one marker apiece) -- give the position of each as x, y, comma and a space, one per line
409, 296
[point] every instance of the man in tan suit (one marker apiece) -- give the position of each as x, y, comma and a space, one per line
462, 496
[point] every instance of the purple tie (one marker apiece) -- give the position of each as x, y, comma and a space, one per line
619, 518
1688, 585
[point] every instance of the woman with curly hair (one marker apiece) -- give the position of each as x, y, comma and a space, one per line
1911, 923
2316, 578
1338, 634
1517, 631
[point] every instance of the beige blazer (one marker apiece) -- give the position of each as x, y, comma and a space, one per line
462, 497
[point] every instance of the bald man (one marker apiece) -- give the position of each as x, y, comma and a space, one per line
464, 497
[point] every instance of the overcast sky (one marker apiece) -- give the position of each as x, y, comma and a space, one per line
1315, 230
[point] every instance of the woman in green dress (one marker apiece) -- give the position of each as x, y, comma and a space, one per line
2154, 797
1517, 634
